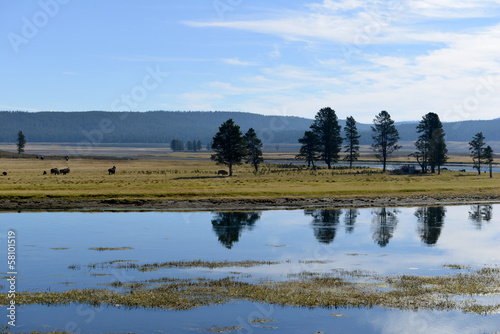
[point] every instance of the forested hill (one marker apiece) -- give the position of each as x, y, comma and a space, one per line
143, 127
162, 127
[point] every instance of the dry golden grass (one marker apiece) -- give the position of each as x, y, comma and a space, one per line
196, 179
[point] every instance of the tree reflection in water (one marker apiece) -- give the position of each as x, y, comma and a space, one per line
324, 223
479, 214
229, 225
430, 223
384, 224
350, 219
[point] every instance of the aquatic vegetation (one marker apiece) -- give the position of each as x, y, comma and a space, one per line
102, 249
402, 292
128, 264
261, 321
456, 266
228, 329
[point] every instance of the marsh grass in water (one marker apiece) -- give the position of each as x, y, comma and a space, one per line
403, 292
227, 329
261, 321
128, 264
102, 249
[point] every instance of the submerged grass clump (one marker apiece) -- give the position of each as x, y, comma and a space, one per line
402, 292
102, 249
456, 266
262, 321
227, 329
181, 264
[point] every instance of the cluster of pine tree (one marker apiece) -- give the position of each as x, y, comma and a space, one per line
231, 146
177, 145
324, 140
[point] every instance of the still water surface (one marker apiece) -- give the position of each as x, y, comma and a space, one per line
54, 254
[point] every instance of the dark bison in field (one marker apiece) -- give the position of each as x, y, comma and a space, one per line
4, 173
222, 172
55, 171
64, 171
112, 170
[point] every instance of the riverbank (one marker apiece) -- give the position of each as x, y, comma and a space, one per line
128, 204
195, 185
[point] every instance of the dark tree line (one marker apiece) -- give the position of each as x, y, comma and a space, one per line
163, 126
177, 145
323, 142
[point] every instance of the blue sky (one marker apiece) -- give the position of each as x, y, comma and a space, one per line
283, 57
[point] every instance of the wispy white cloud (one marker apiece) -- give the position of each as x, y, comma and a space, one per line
382, 21
237, 62
446, 63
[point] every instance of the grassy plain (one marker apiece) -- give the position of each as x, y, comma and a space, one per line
185, 177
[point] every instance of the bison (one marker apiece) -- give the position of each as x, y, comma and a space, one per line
4, 173
112, 170
222, 172
64, 171
66, 158
44, 172
55, 171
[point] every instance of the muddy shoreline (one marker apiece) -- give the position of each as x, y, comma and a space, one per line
111, 204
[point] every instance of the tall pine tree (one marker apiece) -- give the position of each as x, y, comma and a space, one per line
309, 151
431, 146
476, 148
254, 149
438, 150
327, 128
385, 137
488, 158
21, 142
351, 140
229, 145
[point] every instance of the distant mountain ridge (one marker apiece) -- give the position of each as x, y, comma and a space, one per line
163, 126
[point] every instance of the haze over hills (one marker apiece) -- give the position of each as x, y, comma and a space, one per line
163, 126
